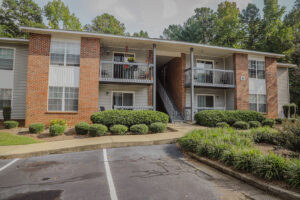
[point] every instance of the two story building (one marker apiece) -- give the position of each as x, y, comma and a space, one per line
58, 74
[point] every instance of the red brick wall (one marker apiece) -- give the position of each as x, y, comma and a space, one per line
37, 81
175, 80
241, 98
271, 86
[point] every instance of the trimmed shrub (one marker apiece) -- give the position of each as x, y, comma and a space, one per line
286, 110
58, 122
57, 129
10, 124
266, 135
278, 121
212, 117
222, 125
36, 128
241, 125
6, 113
118, 129
254, 124
290, 135
268, 122
158, 127
139, 129
97, 130
82, 128
293, 109
129, 117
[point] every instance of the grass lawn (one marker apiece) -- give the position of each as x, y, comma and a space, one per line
7, 139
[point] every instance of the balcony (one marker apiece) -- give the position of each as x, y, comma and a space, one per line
126, 72
210, 78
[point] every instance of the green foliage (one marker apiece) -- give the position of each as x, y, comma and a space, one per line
290, 110
118, 129
266, 135
6, 113
106, 23
278, 121
57, 129
82, 128
268, 122
142, 34
290, 135
241, 125
222, 125
139, 129
286, 110
254, 124
158, 127
212, 117
292, 173
293, 109
58, 122
97, 130
7, 139
10, 124
36, 128
128, 117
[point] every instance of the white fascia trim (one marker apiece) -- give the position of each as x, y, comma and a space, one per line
14, 40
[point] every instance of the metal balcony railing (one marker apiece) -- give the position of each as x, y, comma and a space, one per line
133, 107
210, 77
126, 72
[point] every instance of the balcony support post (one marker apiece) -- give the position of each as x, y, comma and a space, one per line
154, 77
192, 83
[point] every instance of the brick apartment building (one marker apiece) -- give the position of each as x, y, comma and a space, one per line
58, 74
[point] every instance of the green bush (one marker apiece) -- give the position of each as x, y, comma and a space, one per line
290, 135
118, 129
290, 110
245, 159
278, 121
241, 125
292, 173
36, 128
10, 124
158, 127
212, 117
222, 125
82, 128
293, 109
286, 110
6, 113
58, 122
254, 124
266, 135
268, 122
129, 117
97, 130
139, 129
57, 129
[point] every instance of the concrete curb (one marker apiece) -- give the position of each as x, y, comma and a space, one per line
274, 190
89, 147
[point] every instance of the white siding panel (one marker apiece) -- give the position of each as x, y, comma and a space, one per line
218, 62
6, 79
283, 89
218, 93
230, 99
257, 86
105, 94
64, 76
256, 57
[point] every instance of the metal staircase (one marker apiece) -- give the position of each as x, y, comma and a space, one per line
169, 104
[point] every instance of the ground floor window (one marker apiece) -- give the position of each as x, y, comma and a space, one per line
63, 99
258, 102
5, 97
205, 102
122, 99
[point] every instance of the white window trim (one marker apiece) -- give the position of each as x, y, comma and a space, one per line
257, 104
256, 61
14, 58
11, 100
205, 60
112, 97
212, 95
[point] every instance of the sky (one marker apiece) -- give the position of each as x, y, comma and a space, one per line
149, 15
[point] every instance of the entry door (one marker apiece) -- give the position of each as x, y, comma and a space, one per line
205, 102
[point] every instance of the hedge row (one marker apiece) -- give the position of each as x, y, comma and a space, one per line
129, 117
212, 117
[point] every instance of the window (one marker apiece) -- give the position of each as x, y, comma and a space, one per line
205, 102
5, 97
258, 102
6, 58
65, 54
122, 99
63, 99
256, 69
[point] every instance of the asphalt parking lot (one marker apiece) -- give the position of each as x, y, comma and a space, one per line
150, 172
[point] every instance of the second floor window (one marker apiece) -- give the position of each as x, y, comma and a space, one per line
65, 54
5, 98
256, 69
6, 58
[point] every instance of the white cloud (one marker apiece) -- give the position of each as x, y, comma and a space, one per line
124, 14
169, 9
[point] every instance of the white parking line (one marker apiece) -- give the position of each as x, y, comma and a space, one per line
112, 189
9, 164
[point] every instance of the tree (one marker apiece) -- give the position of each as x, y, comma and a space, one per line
252, 26
59, 16
106, 23
142, 34
173, 32
14, 13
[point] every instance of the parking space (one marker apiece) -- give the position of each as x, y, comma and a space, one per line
148, 172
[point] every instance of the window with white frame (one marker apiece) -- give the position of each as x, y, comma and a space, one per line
256, 69
65, 53
63, 99
5, 97
258, 102
205, 102
123, 99
6, 58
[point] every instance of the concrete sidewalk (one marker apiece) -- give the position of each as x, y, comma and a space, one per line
74, 145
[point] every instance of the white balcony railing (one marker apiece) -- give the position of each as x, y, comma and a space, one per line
126, 72
210, 77
133, 107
